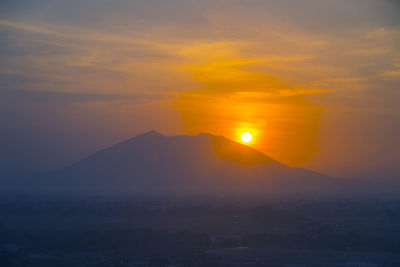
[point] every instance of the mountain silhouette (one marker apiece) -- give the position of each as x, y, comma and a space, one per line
153, 164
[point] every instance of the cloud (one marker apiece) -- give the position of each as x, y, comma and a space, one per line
269, 62
14, 96
235, 99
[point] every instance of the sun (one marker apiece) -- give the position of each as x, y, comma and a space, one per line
246, 137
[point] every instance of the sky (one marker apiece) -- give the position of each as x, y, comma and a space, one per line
317, 83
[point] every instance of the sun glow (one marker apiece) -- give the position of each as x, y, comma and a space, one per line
246, 137
236, 99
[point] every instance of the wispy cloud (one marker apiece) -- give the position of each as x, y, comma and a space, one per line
239, 64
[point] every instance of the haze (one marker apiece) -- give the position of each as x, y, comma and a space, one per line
316, 83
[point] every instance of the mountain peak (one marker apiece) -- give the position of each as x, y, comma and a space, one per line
152, 163
221, 146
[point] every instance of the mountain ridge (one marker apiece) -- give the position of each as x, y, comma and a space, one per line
155, 164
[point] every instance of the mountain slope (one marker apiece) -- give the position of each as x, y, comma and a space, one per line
154, 164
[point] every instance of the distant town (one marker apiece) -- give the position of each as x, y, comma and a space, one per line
38, 231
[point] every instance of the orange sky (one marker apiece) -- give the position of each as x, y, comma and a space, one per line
284, 124
316, 82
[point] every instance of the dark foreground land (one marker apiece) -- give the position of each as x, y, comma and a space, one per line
44, 231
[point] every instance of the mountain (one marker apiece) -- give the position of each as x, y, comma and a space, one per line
152, 164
